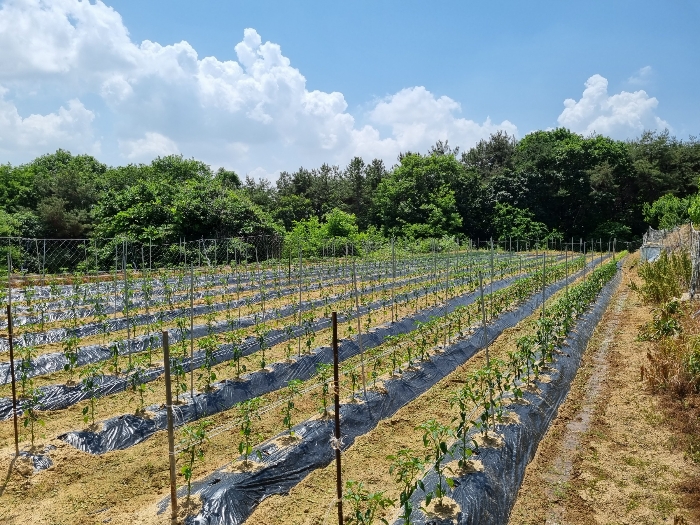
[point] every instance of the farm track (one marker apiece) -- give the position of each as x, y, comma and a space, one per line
610, 456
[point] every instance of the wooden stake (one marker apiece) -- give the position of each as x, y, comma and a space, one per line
336, 390
171, 436
12, 372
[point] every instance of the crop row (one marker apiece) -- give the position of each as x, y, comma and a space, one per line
209, 300
384, 351
480, 406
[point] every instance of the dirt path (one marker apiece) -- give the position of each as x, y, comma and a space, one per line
609, 457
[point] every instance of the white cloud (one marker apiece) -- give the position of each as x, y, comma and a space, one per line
147, 148
69, 127
621, 115
254, 114
642, 76
417, 119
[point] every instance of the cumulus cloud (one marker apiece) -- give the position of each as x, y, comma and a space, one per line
69, 127
620, 115
254, 114
150, 146
417, 118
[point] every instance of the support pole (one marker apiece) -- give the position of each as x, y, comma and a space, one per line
393, 280
483, 319
171, 436
192, 331
12, 372
359, 328
336, 394
544, 279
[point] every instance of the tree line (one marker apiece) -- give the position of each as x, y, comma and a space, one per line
549, 184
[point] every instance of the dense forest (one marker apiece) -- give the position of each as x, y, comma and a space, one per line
549, 184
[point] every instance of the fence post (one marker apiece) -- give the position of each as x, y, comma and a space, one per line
336, 393
12, 372
171, 436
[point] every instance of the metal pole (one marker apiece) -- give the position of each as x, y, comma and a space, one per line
393, 280
171, 436
566, 264
300, 320
359, 329
126, 303
491, 282
12, 372
336, 392
544, 279
192, 330
483, 319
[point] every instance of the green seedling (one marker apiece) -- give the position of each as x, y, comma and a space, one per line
70, 352
462, 399
261, 336
90, 379
178, 370
209, 345
407, 468
352, 373
192, 441
324, 371
289, 409
114, 357
235, 339
435, 436
137, 378
247, 412
289, 332
25, 366
309, 333
365, 504
30, 412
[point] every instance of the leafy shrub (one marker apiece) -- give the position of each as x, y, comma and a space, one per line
664, 278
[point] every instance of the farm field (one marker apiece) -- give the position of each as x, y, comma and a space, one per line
451, 369
264, 265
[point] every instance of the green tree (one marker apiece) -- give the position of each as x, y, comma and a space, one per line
666, 212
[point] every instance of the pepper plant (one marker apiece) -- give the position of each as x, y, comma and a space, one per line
435, 436
289, 409
407, 468
247, 413
137, 379
235, 339
192, 441
30, 412
209, 346
70, 352
365, 504
324, 371
90, 380
352, 373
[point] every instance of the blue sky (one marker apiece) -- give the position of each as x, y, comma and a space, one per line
265, 86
